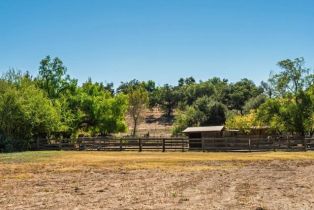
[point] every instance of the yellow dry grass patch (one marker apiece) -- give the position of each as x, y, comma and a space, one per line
25, 165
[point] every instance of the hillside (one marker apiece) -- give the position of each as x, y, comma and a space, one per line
154, 123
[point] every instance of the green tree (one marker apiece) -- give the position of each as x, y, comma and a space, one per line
97, 111
25, 114
294, 78
254, 103
240, 92
204, 112
244, 123
53, 78
291, 84
167, 99
210, 112
186, 81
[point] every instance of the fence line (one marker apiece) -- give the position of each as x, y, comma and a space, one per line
176, 144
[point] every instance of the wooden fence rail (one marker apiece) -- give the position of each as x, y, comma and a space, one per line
176, 144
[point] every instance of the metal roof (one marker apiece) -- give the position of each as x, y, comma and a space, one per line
203, 129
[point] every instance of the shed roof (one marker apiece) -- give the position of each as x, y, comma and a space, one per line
203, 129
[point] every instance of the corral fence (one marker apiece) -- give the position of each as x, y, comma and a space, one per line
250, 144
175, 144
116, 144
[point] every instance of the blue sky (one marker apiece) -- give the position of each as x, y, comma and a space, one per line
162, 40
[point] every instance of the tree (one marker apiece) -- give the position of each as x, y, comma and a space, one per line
254, 103
244, 123
138, 101
25, 114
274, 113
294, 79
210, 112
240, 92
109, 87
221, 88
53, 78
126, 87
98, 112
167, 99
186, 81
194, 91
149, 86
204, 112
291, 84
268, 90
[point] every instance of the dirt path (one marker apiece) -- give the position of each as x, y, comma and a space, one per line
267, 184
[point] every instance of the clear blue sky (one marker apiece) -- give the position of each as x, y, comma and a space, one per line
162, 40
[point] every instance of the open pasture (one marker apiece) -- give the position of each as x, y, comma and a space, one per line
155, 180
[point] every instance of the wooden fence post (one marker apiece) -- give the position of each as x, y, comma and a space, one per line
140, 145
226, 143
60, 145
182, 145
120, 144
250, 144
163, 145
305, 144
203, 145
37, 143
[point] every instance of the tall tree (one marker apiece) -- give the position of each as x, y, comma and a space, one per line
240, 92
53, 78
291, 84
167, 99
25, 114
138, 101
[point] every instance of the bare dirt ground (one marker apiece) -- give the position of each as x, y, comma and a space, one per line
131, 180
153, 123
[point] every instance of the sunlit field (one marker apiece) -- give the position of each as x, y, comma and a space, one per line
154, 180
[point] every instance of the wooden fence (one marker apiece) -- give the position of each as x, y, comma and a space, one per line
134, 144
176, 144
249, 144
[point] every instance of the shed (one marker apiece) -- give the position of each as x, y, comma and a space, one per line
204, 132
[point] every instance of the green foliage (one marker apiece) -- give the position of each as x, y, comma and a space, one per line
294, 79
190, 93
25, 113
186, 81
167, 98
254, 103
126, 87
292, 110
209, 112
149, 87
53, 105
244, 123
96, 111
204, 112
53, 79
240, 92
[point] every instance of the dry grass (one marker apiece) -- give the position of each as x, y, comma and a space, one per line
154, 180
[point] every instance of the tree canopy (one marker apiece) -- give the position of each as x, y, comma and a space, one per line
51, 104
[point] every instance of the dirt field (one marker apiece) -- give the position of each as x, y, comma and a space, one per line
131, 180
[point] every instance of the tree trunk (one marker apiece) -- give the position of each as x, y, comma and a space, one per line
134, 127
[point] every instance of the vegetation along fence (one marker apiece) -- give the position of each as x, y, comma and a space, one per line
175, 144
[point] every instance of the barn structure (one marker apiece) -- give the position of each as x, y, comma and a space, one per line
195, 134
204, 132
